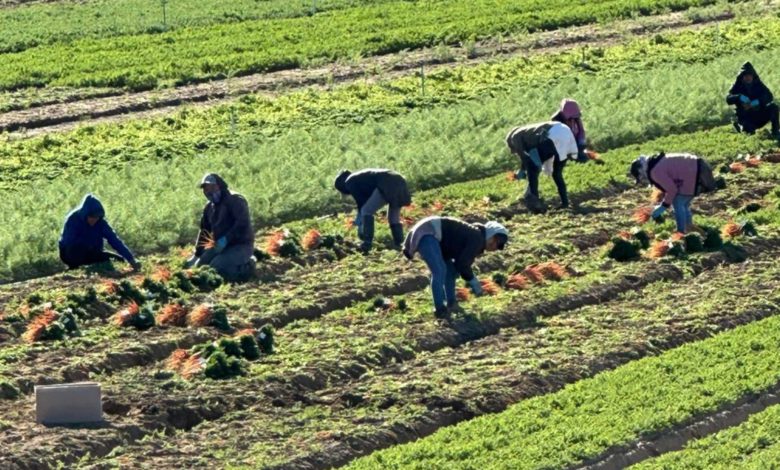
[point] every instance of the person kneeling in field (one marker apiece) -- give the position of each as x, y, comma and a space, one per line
681, 177
226, 239
544, 147
569, 114
754, 103
449, 247
372, 189
81, 242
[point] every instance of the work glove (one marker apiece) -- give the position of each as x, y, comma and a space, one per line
520, 174
221, 244
658, 211
136, 265
755, 103
582, 157
476, 287
744, 99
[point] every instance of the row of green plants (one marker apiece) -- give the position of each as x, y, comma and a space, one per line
161, 214
752, 444
652, 75
614, 408
197, 54
41, 24
466, 377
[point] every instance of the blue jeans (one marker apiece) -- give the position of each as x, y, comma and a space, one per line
443, 272
683, 215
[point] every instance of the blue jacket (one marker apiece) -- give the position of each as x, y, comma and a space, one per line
77, 233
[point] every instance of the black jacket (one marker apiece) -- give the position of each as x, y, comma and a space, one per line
230, 218
462, 242
390, 184
755, 91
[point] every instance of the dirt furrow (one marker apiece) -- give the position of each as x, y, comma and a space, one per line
64, 116
153, 409
473, 388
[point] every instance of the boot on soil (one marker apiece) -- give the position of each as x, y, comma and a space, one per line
397, 231
442, 313
367, 233
534, 204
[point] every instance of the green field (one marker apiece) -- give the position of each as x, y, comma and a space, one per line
576, 356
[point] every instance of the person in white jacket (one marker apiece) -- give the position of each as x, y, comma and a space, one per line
544, 147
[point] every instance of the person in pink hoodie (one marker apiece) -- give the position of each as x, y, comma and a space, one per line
569, 114
681, 177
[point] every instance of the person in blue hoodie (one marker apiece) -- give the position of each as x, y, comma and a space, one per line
81, 242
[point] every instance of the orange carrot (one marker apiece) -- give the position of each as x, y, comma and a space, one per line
517, 282
311, 240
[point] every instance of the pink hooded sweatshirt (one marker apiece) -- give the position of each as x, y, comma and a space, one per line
569, 114
675, 173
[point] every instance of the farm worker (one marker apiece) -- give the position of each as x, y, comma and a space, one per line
569, 114
226, 239
544, 147
449, 247
681, 177
753, 102
371, 189
81, 242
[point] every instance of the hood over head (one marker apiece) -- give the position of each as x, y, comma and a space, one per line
91, 207
748, 69
213, 178
570, 109
341, 181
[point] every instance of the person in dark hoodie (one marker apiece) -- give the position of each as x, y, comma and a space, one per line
226, 239
449, 247
753, 101
81, 241
372, 189
570, 114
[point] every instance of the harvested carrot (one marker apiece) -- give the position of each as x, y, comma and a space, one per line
311, 240
173, 315
737, 167
162, 274
207, 242
517, 282
490, 287
462, 294
731, 230
39, 324
534, 274
659, 249
552, 271
201, 316
642, 215
125, 316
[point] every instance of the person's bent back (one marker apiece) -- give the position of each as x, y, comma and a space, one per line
81, 241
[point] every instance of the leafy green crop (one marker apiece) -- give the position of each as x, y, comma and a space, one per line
611, 409
197, 54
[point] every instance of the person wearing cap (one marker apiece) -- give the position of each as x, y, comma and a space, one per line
81, 241
449, 246
544, 147
681, 177
226, 239
753, 101
372, 189
569, 114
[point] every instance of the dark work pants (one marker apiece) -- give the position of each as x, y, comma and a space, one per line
532, 191
76, 256
756, 119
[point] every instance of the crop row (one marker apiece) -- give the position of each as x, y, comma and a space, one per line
197, 54
41, 24
614, 72
753, 444
303, 293
612, 409
391, 402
